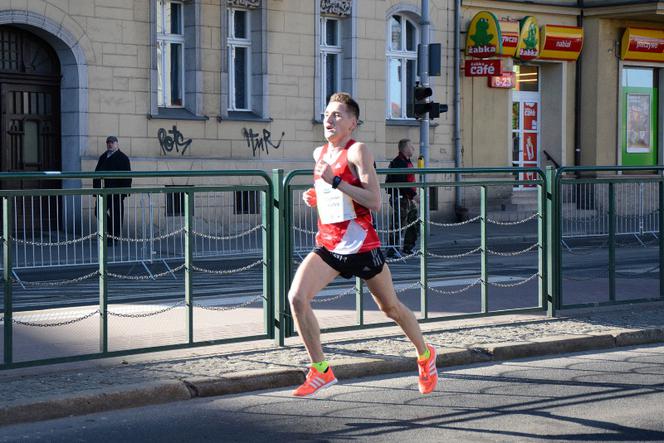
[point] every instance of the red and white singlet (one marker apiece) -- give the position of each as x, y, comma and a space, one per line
350, 236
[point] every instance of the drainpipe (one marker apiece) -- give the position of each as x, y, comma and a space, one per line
577, 96
459, 211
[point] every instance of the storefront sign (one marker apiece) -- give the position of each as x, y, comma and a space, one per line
505, 81
483, 37
561, 42
643, 45
529, 37
483, 68
510, 34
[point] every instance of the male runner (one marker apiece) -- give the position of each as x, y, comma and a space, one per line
346, 190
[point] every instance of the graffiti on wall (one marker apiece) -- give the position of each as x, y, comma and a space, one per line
174, 141
260, 142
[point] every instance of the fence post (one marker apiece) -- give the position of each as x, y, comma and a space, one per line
102, 201
661, 238
359, 301
552, 241
278, 235
268, 269
424, 247
483, 258
7, 210
188, 262
541, 243
612, 243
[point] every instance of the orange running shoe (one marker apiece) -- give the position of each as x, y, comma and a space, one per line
315, 382
428, 372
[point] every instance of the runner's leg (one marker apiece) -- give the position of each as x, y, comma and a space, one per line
311, 277
382, 290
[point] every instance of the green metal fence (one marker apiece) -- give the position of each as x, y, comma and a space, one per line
195, 208
279, 218
481, 179
622, 210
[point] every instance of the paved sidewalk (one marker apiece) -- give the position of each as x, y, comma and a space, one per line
32, 394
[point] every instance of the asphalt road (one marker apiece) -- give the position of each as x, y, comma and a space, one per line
594, 396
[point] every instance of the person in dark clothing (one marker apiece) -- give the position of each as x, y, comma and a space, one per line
113, 160
403, 201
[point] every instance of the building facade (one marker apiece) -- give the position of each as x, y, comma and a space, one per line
601, 108
241, 84
209, 84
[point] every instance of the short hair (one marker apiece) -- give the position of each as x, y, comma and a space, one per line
346, 99
403, 143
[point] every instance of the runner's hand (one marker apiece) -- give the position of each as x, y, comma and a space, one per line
309, 197
324, 171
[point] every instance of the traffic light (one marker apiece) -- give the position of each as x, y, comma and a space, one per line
422, 106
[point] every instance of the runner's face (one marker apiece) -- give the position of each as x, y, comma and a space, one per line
339, 123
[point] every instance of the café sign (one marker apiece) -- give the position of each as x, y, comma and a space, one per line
483, 38
483, 68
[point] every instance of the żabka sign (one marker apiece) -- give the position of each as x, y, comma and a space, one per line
483, 37
529, 39
641, 44
483, 68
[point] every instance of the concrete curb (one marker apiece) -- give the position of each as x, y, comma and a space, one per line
248, 381
95, 401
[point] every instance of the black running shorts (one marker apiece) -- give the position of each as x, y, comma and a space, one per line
365, 265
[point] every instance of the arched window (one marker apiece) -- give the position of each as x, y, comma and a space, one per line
401, 56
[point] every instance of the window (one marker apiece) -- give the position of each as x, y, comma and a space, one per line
239, 60
336, 66
170, 54
401, 58
331, 53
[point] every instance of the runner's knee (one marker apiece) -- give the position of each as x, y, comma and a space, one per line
393, 311
297, 299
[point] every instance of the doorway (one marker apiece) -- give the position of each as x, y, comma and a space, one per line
29, 122
525, 121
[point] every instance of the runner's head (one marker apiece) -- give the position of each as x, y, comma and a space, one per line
340, 118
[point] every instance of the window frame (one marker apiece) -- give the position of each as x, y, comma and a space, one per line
232, 43
325, 50
403, 55
162, 40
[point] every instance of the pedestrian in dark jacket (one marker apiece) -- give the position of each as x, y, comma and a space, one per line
113, 160
403, 201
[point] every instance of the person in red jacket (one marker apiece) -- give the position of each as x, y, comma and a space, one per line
403, 201
345, 192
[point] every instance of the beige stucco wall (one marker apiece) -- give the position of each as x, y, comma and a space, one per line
115, 37
486, 112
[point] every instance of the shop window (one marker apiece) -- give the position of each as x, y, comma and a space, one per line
527, 78
401, 56
639, 127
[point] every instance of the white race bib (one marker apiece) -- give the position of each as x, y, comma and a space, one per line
333, 205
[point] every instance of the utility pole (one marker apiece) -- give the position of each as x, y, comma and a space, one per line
423, 67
